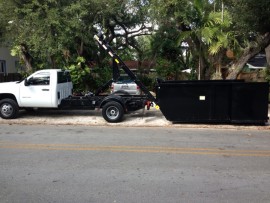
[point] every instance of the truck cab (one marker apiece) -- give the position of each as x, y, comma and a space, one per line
43, 89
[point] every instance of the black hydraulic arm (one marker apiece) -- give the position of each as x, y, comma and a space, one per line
119, 61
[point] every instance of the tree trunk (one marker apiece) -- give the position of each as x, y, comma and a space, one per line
80, 48
197, 50
250, 52
52, 61
204, 69
26, 58
237, 67
267, 53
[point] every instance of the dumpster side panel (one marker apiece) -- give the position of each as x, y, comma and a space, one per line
195, 102
250, 102
221, 105
214, 101
184, 102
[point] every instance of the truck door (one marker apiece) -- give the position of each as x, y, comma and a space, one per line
36, 91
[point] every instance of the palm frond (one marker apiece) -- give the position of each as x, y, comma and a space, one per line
215, 48
183, 36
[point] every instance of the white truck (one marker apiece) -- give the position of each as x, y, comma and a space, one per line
52, 88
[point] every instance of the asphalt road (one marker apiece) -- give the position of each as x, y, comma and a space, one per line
50, 163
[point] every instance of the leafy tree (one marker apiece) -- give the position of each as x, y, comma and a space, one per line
59, 33
212, 27
170, 57
38, 26
201, 25
6, 18
252, 25
125, 22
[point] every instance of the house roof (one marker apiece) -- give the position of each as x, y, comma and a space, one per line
135, 64
258, 61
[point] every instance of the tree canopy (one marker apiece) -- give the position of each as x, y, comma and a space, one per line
175, 34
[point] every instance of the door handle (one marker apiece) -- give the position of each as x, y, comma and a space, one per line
45, 90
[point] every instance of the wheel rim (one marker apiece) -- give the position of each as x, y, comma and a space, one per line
6, 110
112, 112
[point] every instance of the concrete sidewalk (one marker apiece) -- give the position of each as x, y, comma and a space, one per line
141, 118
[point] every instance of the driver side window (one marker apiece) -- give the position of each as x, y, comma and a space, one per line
40, 79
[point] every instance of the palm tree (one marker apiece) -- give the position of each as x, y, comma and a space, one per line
209, 36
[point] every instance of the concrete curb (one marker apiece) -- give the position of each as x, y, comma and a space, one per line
152, 118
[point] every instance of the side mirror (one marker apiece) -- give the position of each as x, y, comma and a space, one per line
26, 83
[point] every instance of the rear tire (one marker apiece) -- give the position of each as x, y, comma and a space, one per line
113, 112
9, 109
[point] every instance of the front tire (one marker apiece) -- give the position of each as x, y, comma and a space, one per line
8, 109
113, 112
